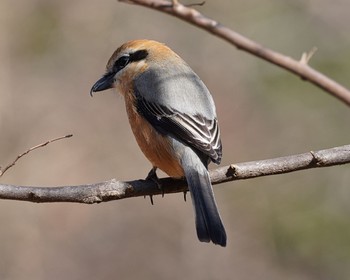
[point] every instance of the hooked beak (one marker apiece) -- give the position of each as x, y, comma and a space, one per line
106, 82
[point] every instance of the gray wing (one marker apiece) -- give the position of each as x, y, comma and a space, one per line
176, 102
195, 130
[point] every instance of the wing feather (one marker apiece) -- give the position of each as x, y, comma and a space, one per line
195, 130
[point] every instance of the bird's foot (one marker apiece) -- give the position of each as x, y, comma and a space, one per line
152, 175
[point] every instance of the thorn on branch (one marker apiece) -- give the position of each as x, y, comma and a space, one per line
195, 4
2, 171
315, 159
306, 56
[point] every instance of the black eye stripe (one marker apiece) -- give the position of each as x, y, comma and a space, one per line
121, 63
124, 60
138, 55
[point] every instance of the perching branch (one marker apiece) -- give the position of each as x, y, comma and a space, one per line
299, 68
2, 171
114, 190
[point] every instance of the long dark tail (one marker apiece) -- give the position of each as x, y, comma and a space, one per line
208, 222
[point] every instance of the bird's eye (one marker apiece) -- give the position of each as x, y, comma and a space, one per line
121, 62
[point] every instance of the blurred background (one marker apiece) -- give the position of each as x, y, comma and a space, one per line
293, 226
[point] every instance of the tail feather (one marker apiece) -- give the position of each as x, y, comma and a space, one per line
208, 221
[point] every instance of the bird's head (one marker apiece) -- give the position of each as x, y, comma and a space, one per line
130, 60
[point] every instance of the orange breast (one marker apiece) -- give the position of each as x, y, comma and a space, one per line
156, 147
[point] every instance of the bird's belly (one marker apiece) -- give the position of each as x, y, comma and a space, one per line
155, 146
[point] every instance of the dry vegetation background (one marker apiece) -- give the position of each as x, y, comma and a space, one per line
293, 226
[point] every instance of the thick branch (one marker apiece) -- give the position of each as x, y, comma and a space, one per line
300, 68
113, 189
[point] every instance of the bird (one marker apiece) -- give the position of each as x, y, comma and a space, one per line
173, 118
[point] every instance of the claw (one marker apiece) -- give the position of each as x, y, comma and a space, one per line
152, 175
150, 197
185, 194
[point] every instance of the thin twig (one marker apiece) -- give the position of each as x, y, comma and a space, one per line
114, 190
174, 3
32, 149
303, 70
